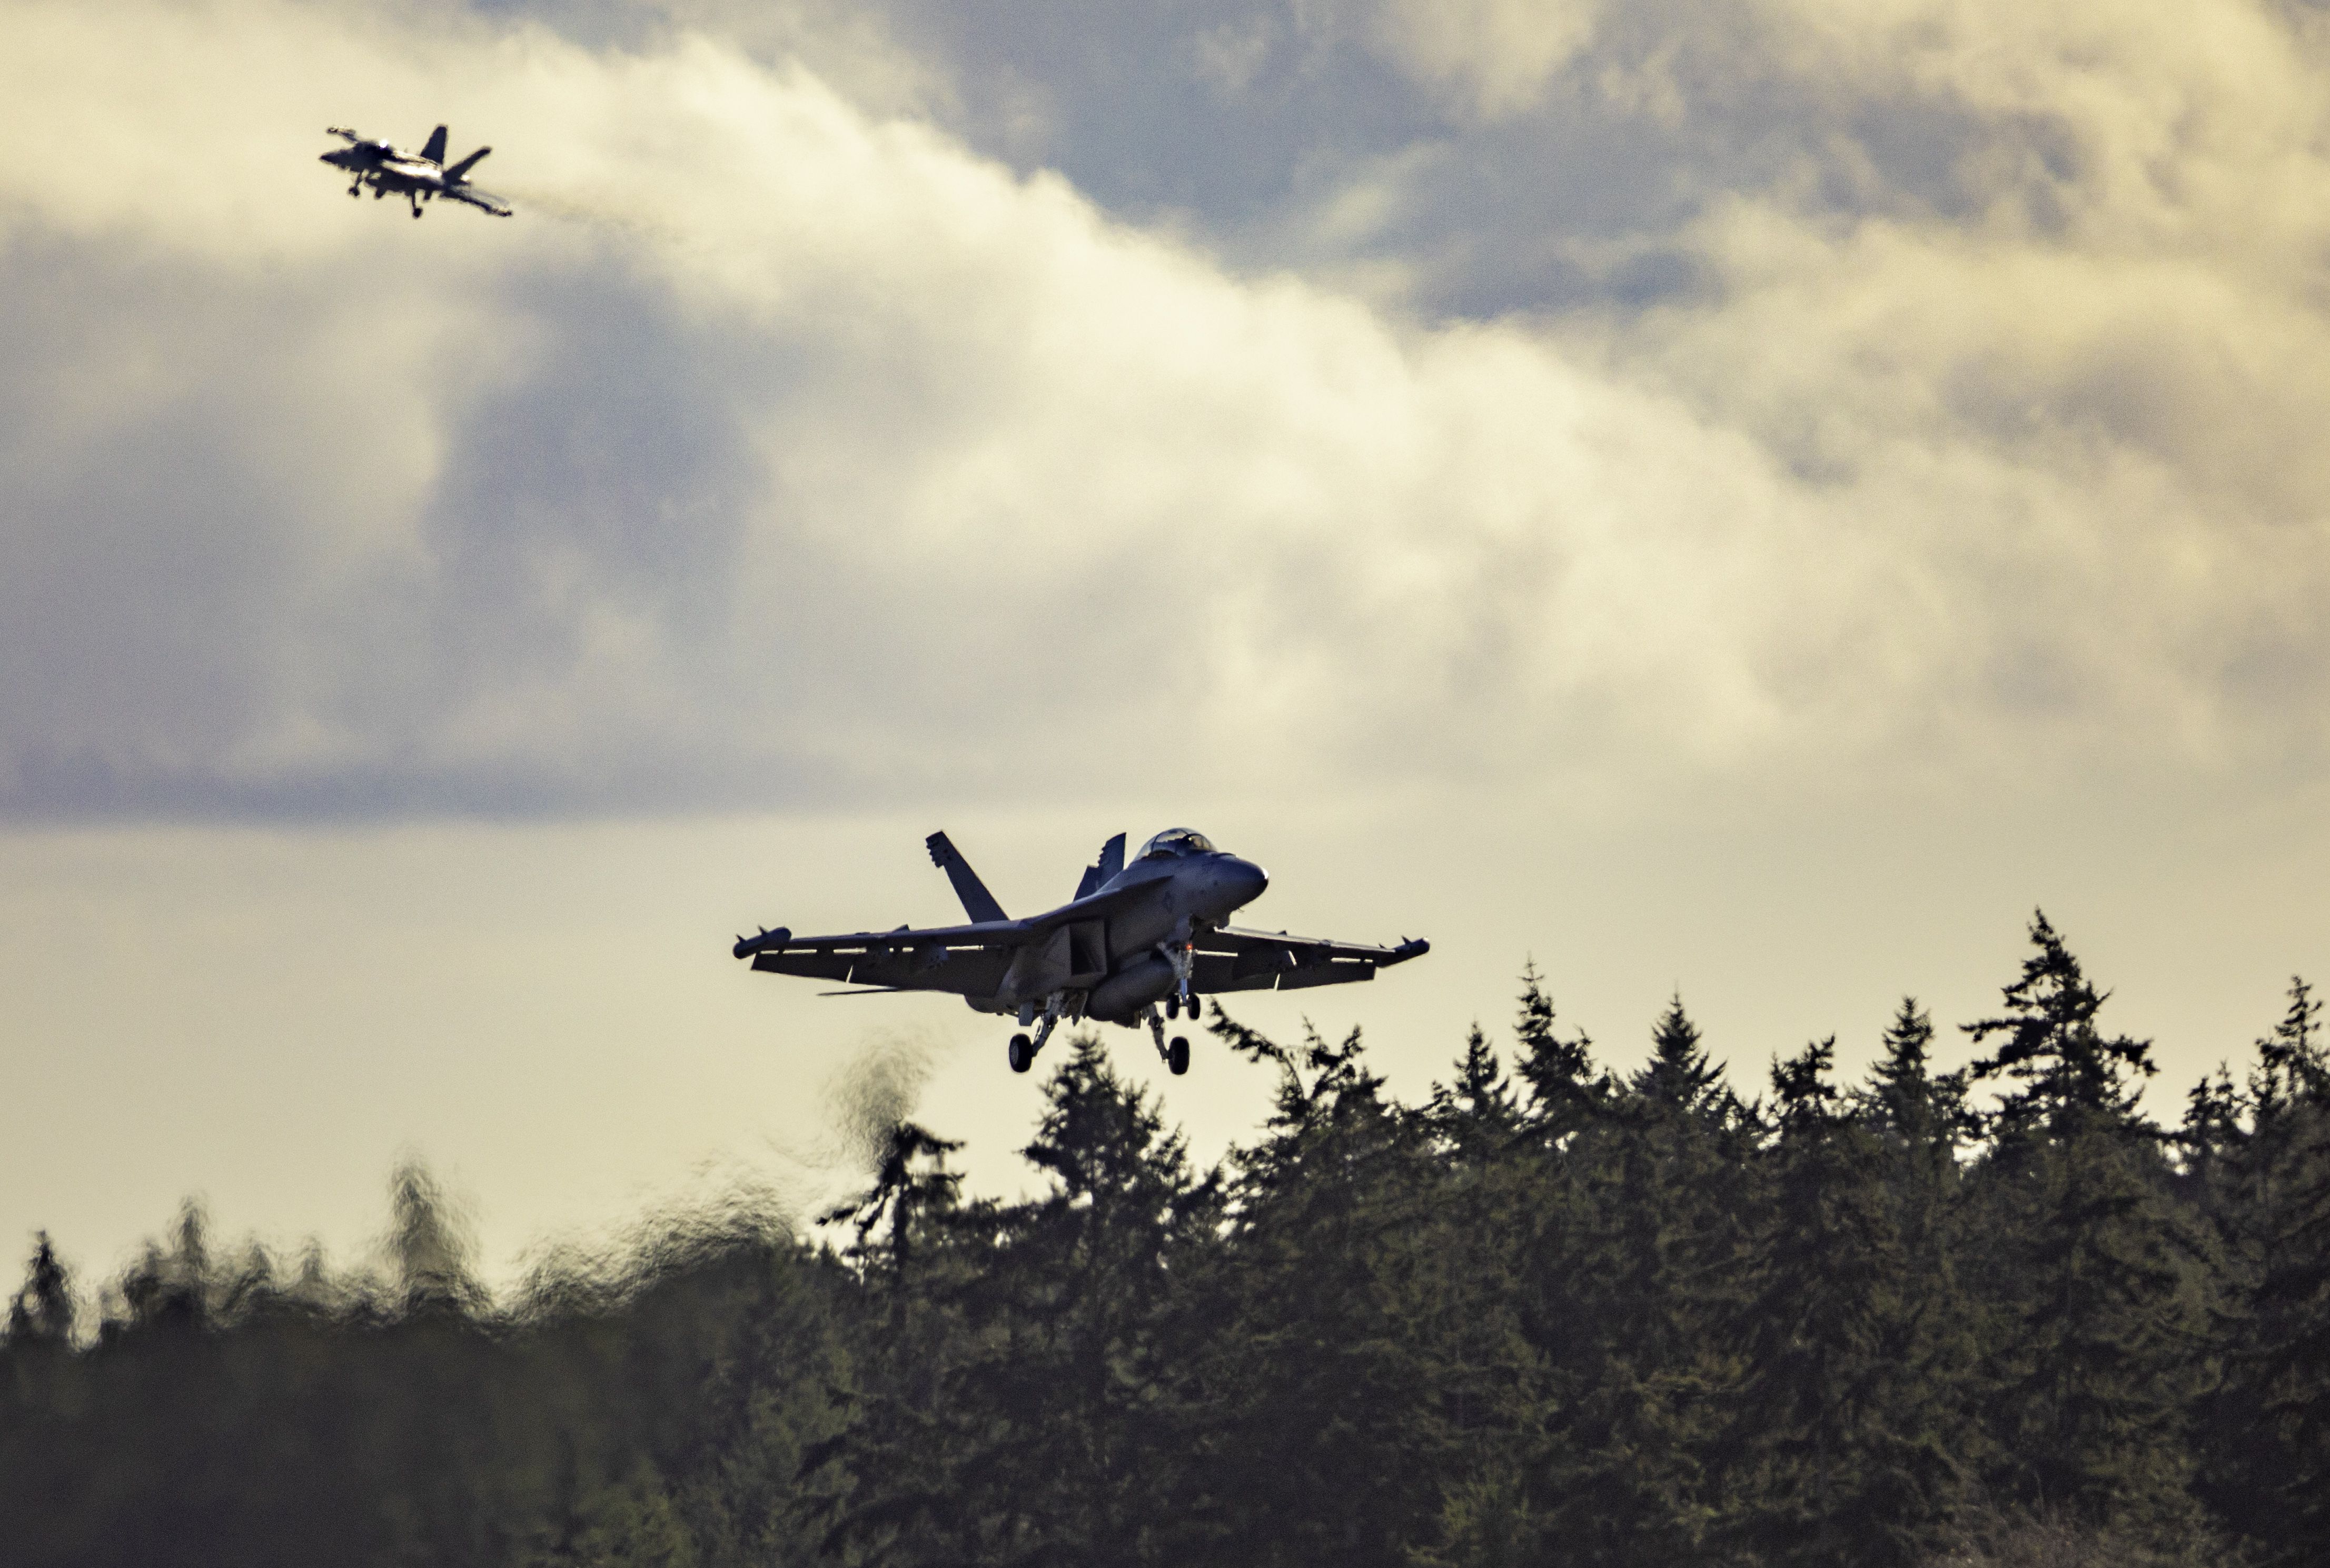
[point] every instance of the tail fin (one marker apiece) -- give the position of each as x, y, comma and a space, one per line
466, 165
977, 901
1099, 875
435, 151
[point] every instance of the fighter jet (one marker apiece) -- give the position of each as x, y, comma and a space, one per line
417, 176
1133, 936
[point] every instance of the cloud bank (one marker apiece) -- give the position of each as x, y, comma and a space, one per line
1784, 392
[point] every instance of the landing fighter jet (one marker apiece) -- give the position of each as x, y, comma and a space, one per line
1132, 936
416, 176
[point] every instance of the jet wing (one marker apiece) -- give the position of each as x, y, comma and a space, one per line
477, 198
1234, 959
966, 959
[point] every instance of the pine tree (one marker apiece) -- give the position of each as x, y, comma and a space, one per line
1316, 1352
2071, 1073
42, 1311
2261, 1151
1477, 1116
1679, 1077
1044, 1434
1640, 1310
1854, 1438
2094, 1269
1564, 1091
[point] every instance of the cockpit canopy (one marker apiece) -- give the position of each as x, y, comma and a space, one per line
1178, 841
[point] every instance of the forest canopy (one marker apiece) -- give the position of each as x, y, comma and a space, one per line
1555, 1313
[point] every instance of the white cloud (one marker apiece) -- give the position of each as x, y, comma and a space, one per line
780, 450
1497, 56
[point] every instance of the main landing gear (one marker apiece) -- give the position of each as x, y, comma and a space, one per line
1176, 1055
1022, 1051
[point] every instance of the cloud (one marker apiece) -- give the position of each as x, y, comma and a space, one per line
785, 449
1497, 55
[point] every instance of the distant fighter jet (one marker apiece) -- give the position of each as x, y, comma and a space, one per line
1133, 936
416, 176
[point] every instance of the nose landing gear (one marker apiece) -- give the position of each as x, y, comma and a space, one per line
1183, 955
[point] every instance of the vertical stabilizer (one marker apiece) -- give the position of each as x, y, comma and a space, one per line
1102, 870
977, 901
435, 151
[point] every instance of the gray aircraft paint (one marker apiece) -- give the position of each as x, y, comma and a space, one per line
1136, 934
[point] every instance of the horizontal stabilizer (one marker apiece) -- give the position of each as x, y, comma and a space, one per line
977, 901
466, 165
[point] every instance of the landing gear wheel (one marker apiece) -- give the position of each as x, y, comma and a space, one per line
1173, 1006
1176, 1056
416, 212
1022, 1054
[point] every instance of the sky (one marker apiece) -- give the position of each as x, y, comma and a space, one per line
1744, 500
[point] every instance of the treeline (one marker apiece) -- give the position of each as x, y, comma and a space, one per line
1554, 1314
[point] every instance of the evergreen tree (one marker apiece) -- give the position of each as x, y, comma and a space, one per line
2071, 1075
1907, 1101
1564, 1091
1478, 1116
1854, 1438
42, 1311
1639, 1314
2261, 1152
1680, 1078
2094, 1270
1314, 1353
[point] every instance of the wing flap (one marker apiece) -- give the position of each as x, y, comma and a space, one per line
809, 966
1336, 972
962, 971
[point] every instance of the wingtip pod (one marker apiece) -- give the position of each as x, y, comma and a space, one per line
1415, 947
748, 945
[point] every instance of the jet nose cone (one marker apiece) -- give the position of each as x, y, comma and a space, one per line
1248, 879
